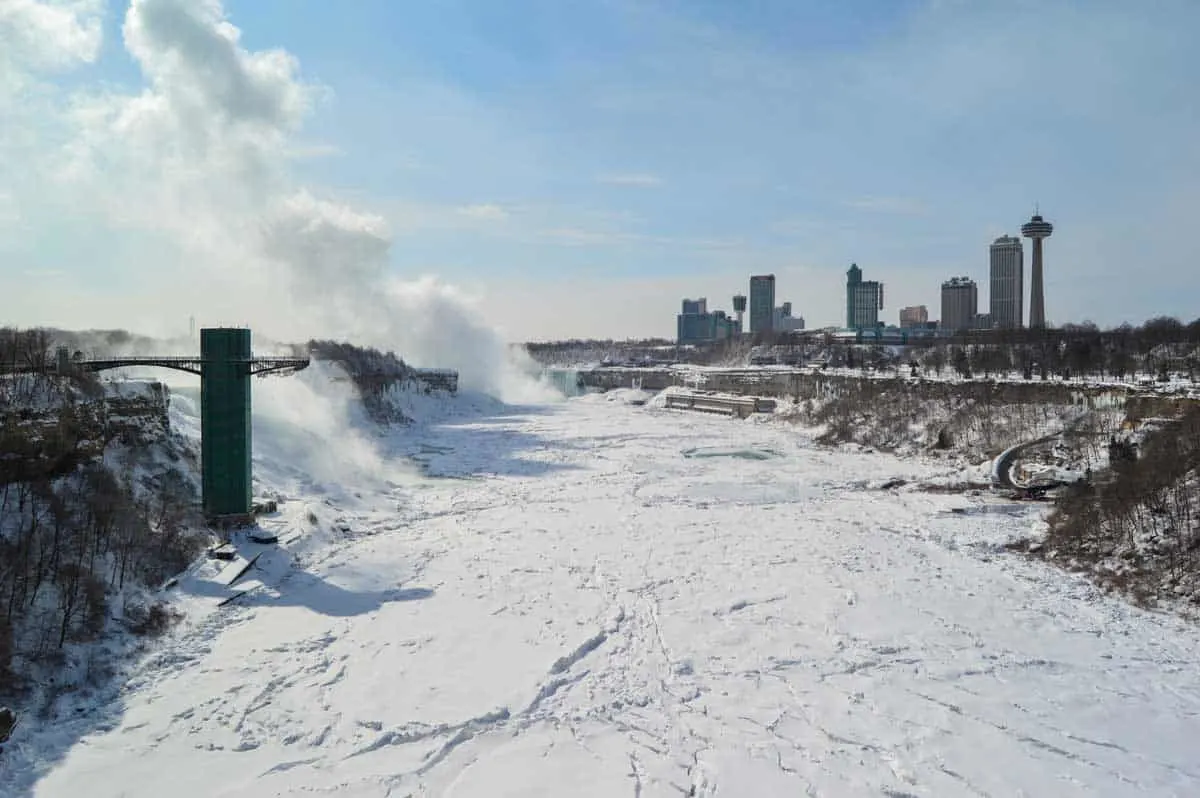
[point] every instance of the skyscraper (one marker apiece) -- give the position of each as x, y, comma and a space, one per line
696, 325
864, 300
1006, 299
762, 303
1038, 229
853, 280
960, 304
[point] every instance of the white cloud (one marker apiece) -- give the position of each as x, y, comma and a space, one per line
311, 151
484, 212
37, 35
903, 206
191, 55
632, 179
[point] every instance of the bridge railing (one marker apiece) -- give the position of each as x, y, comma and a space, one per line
192, 364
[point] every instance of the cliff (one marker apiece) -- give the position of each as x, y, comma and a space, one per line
97, 503
384, 382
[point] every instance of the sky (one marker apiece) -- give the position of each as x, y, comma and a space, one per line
556, 170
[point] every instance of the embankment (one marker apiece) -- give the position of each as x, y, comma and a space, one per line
1135, 527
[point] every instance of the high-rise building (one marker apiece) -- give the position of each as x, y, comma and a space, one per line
784, 321
1038, 229
853, 280
696, 325
762, 303
864, 300
1006, 297
913, 317
960, 304
702, 328
725, 327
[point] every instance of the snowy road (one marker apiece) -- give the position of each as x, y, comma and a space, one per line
597, 600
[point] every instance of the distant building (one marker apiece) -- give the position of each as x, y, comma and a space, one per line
913, 317
1006, 298
783, 320
960, 304
983, 321
762, 303
726, 326
739, 308
1039, 230
864, 300
695, 325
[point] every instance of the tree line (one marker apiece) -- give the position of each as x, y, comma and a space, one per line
1158, 345
1158, 349
979, 418
1137, 526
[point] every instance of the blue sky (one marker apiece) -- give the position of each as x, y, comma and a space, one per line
580, 167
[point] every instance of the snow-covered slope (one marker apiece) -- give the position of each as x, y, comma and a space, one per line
598, 599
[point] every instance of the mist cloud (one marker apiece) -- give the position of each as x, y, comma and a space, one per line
200, 154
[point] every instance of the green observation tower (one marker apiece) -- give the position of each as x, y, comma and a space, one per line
224, 366
225, 431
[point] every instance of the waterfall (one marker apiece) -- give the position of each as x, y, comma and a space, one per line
565, 381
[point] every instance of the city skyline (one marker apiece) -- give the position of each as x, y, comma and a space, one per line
573, 171
959, 298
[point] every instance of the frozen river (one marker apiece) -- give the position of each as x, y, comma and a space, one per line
594, 599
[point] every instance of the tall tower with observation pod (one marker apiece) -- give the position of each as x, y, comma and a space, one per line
1037, 229
739, 309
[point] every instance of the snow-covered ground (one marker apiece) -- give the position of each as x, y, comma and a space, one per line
597, 598
695, 375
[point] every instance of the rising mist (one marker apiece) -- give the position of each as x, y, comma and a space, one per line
199, 159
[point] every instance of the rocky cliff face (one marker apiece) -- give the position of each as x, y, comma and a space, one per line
98, 502
50, 429
382, 379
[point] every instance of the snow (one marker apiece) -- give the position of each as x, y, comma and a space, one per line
696, 374
599, 598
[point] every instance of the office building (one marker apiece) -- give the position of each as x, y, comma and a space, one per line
864, 300
1006, 297
762, 303
960, 304
913, 317
784, 321
696, 325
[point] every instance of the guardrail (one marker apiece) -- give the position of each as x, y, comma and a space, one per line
739, 406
